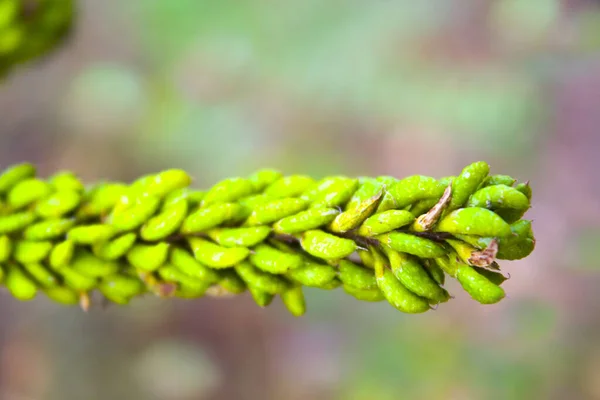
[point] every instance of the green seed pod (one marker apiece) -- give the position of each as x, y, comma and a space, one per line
251, 202
28, 191
264, 281
422, 206
275, 210
62, 294
293, 299
467, 183
15, 222
427, 220
395, 292
66, 181
518, 245
102, 199
498, 180
165, 223
338, 194
141, 183
525, 189
368, 188
91, 234
231, 282
474, 221
120, 287
133, 213
170, 273
228, 228
478, 286
446, 180
506, 201
115, 248
411, 244
326, 246
58, 204
462, 249
273, 260
5, 248
15, 174
194, 197
386, 221
434, 271
389, 201
49, 229
414, 188
449, 264
352, 218
162, 183
371, 295
115, 298
367, 258
283, 246
61, 254
332, 192
187, 287
210, 217
493, 276
27, 251
320, 187
356, 276
216, 256
333, 284
77, 281
312, 218
41, 274
148, 257
228, 190
177, 196
475, 241
261, 298
197, 291
19, 284
313, 274
289, 186
239, 237
186, 263
87, 264
472, 256
263, 178
415, 278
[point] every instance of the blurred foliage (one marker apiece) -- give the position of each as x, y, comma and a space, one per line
29, 29
357, 87
365, 58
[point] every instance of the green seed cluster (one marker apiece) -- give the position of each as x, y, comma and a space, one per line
30, 28
377, 238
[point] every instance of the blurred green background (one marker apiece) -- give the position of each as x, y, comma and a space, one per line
358, 87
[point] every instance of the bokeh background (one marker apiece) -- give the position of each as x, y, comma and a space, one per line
364, 87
